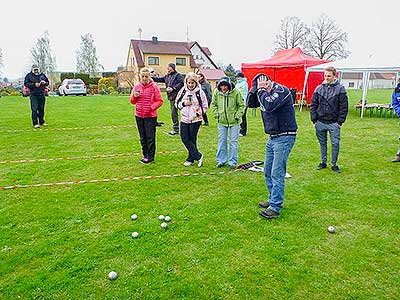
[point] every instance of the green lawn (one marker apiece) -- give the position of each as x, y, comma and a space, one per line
60, 242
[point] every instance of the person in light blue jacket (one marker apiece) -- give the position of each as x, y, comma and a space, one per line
242, 86
396, 108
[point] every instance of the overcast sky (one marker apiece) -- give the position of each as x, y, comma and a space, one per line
235, 33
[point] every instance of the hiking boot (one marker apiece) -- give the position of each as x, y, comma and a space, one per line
200, 161
269, 214
396, 159
173, 132
263, 204
336, 169
187, 163
321, 166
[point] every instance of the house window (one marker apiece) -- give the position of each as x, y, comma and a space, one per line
181, 61
153, 60
351, 84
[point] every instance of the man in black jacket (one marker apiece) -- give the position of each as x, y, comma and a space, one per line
37, 83
276, 105
329, 108
173, 83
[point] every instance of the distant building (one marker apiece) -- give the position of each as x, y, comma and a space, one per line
155, 54
376, 80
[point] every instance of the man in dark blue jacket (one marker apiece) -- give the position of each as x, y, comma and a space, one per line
37, 83
276, 104
329, 108
173, 83
396, 108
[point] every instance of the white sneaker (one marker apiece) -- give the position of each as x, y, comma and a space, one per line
187, 163
200, 162
44, 124
36, 126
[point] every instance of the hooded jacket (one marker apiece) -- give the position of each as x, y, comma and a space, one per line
243, 87
173, 80
149, 100
228, 108
31, 79
276, 107
329, 103
193, 113
396, 100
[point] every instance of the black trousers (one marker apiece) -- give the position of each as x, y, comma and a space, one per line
147, 133
174, 116
189, 138
37, 108
243, 125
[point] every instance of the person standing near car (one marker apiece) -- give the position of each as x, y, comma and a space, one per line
37, 83
173, 83
329, 108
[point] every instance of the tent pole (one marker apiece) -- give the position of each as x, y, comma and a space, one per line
304, 90
365, 88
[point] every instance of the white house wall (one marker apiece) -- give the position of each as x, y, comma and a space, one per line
200, 58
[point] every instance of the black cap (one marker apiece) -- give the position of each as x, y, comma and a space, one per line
239, 74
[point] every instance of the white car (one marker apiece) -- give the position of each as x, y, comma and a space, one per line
72, 87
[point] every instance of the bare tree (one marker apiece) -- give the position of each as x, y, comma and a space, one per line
86, 57
126, 78
292, 33
1, 62
42, 54
326, 40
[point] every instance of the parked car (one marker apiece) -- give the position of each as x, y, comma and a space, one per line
27, 92
72, 87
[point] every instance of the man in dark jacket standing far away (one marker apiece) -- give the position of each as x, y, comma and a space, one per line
173, 83
276, 105
37, 83
329, 108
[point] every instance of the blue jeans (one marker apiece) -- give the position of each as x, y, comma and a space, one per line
223, 156
321, 130
276, 156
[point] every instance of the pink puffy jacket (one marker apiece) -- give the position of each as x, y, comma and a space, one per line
149, 100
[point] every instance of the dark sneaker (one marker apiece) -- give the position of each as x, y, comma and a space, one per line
146, 161
263, 204
321, 166
269, 214
336, 169
159, 124
220, 165
206, 124
173, 132
396, 159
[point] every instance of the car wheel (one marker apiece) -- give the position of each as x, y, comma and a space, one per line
84, 94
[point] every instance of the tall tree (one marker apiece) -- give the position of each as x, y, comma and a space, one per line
42, 54
86, 57
292, 33
326, 40
230, 72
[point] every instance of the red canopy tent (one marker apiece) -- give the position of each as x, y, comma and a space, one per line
288, 67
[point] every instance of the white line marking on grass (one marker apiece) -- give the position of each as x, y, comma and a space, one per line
77, 182
88, 157
66, 129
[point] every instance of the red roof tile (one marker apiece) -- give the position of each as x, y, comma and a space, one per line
212, 74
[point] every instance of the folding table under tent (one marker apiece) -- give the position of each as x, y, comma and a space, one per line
288, 67
350, 67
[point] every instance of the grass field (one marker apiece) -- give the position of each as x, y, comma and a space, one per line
60, 242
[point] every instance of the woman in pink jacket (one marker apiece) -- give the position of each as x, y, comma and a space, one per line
192, 102
146, 95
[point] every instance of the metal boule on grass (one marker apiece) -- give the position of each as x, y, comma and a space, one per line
167, 218
161, 217
134, 217
331, 229
112, 275
164, 225
135, 234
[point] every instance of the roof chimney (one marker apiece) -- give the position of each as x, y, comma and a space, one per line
154, 39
